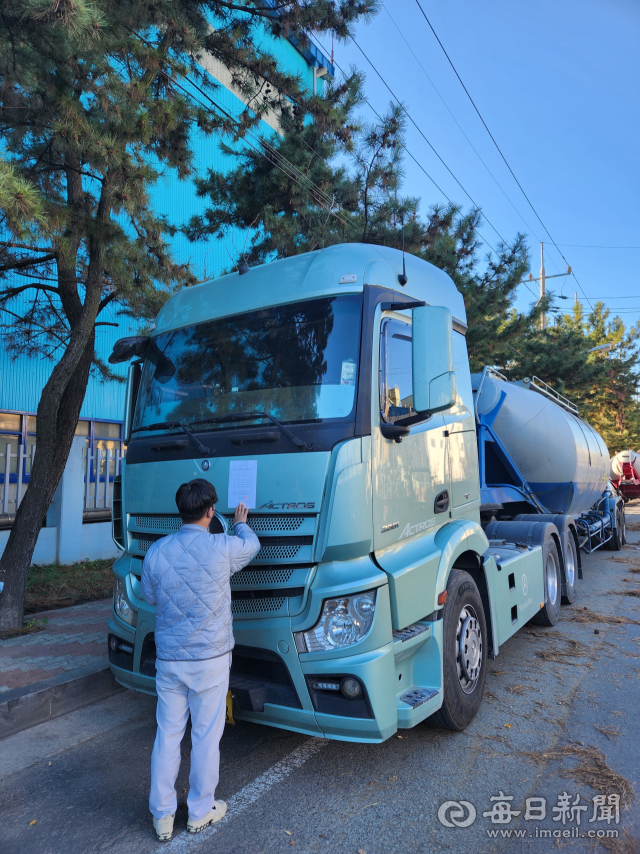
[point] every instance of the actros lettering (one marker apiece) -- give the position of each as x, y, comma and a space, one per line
284, 505
410, 530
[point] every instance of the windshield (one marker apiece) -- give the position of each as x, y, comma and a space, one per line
297, 362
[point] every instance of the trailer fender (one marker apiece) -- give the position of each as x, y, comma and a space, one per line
566, 526
534, 533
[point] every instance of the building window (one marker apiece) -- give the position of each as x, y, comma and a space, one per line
19, 429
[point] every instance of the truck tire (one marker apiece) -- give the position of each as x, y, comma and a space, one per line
569, 550
569, 590
548, 615
619, 534
464, 653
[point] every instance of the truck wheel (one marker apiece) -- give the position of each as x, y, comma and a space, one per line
619, 535
464, 653
548, 615
570, 571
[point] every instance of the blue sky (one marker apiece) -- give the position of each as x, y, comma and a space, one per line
558, 85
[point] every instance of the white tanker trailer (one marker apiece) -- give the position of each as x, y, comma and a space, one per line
625, 474
621, 459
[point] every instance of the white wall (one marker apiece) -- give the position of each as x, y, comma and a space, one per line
65, 539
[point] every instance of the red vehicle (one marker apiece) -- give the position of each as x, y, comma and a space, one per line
625, 474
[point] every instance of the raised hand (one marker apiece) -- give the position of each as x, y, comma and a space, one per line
242, 511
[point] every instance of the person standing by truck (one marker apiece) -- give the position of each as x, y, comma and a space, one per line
186, 576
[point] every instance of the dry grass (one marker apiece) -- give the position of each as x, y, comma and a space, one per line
591, 769
573, 649
625, 560
624, 844
55, 586
519, 689
584, 615
610, 731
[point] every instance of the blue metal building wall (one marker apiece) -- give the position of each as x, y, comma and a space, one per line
22, 379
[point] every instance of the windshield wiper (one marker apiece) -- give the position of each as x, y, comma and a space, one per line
247, 416
170, 425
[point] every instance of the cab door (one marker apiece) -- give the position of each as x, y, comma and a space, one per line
459, 420
410, 489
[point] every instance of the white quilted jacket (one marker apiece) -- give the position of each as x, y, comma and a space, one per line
186, 576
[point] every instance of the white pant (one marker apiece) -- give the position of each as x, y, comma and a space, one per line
199, 687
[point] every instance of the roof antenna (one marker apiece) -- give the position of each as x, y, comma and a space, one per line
402, 278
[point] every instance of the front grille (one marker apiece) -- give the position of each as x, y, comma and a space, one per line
255, 606
278, 553
264, 576
144, 542
265, 524
277, 593
169, 524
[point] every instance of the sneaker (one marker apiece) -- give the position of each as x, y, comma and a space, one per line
217, 812
163, 827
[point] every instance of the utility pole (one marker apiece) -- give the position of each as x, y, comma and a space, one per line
543, 316
543, 284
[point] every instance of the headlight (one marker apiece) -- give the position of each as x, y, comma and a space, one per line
343, 622
121, 604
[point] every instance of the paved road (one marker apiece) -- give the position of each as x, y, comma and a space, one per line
84, 778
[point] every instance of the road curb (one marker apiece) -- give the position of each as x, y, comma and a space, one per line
22, 708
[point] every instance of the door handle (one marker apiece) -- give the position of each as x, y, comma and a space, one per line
441, 504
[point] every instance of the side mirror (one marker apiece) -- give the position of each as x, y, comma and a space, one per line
434, 387
126, 348
133, 384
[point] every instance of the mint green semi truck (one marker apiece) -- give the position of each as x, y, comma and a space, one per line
412, 516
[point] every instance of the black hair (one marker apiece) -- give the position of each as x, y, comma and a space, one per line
195, 498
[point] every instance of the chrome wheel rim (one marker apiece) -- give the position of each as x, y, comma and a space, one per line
552, 578
570, 563
468, 649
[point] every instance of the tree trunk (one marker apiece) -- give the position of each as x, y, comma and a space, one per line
58, 413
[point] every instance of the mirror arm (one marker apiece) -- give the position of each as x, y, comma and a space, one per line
394, 431
387, 305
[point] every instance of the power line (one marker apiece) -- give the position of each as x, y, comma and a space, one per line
409, 153
265, 149
423, 135
586, 246
424, 71
424, 15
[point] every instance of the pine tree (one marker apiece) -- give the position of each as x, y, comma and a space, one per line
97, 98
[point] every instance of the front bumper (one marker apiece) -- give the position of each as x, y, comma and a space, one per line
374, 668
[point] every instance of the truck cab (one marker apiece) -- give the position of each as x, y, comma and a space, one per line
340, 378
